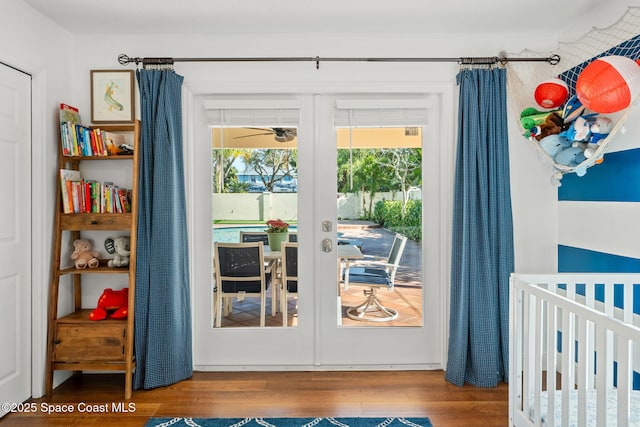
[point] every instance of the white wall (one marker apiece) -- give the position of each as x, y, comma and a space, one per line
255, 206
34, 44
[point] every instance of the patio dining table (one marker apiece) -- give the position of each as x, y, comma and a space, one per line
345, 253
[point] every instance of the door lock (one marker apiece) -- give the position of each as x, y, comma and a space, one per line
327, 245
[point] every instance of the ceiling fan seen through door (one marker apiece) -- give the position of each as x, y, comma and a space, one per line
279, 134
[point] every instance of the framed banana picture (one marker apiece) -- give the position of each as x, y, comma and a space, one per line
112, 96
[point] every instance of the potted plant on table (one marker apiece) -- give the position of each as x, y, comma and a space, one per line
277, 232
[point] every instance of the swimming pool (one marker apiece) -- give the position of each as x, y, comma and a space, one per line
232, 234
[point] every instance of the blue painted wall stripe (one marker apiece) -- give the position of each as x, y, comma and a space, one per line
578, 260
617, 179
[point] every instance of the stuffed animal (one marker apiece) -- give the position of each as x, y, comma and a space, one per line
572, 109
600, 128
530, 117
572, 157
112, 304
83, 255
120, 247
579, 131
553, 144
552, 125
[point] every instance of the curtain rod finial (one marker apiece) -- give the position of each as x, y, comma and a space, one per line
126, 59
123, 59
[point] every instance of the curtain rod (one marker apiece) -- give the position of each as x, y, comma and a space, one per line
489, 60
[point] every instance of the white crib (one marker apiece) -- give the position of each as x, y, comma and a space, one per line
567, 335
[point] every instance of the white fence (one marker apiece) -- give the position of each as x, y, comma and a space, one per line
264, 206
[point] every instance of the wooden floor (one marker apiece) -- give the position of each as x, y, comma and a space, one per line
274, 394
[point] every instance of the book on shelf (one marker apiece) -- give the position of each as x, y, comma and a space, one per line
80, 140
67, 179
125, 199
69, 113
88, 196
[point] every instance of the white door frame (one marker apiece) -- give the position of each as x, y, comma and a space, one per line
41, 227
443, 92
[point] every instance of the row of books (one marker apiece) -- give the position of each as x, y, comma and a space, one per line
87, 196
80, 140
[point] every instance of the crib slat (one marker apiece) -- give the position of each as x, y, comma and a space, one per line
582, 370
590, 301
537, 352
590, 295
552, 366
608, 300
601, 378
571, 290
567, 362
624, 384
525, 352
628, 302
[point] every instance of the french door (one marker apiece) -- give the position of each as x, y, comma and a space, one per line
319, 335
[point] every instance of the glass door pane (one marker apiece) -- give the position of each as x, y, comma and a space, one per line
379, 203
254, 181
237, 197
377, 175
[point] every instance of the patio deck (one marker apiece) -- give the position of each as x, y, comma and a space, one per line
406, 297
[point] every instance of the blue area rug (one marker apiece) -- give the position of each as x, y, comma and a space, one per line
289, 422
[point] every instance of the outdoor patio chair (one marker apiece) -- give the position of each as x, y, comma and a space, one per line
375, 275
254, 236
239, 271
289, 277
259, 236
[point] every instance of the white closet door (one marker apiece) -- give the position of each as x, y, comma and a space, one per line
15, 237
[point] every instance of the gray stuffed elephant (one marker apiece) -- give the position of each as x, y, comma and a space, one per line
119, 247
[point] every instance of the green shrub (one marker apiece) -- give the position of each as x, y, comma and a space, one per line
388, 213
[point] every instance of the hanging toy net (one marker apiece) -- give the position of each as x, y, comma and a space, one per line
573, 109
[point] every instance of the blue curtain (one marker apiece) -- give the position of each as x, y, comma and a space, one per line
162, 309
482, 240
